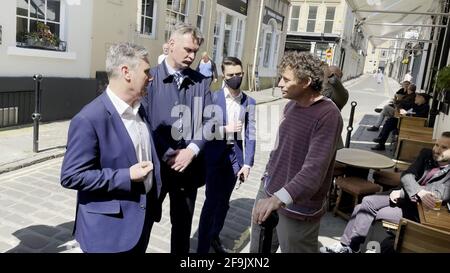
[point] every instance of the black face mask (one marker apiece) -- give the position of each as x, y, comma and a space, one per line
234, 82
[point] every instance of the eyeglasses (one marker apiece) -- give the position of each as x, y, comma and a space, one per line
240, 74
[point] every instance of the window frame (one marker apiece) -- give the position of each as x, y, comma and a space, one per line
61, 23
329, 20
169, 28
200, 15
310, 19
297, 19
141, 14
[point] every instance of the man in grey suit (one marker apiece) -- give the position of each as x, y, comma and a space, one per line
426, 180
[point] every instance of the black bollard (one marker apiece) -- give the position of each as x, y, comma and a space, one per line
350, 125
265, 237
36, 116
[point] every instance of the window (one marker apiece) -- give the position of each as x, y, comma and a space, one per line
200, 14
227, 35
147, 18
270, 44
31, 13
329, 19
177, 11
238, 44
217, 30
311, 25
295, 16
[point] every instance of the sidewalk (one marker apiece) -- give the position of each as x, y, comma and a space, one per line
17, 144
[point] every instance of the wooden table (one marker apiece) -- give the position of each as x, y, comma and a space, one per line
439, 219
363, 159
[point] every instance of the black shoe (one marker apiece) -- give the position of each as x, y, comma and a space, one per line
373, 129
378, 110
376, 140
379, 147
217, 246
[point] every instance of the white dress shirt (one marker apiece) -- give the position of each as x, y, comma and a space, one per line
137, 131
234, 114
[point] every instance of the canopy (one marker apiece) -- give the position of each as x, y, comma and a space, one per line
381, 19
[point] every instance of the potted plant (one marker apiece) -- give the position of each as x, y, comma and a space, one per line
443, 88
42, 38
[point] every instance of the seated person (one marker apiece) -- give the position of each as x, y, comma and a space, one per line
426, 180
420, 108
389, 110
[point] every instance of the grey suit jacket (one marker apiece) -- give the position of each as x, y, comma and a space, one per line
416, 173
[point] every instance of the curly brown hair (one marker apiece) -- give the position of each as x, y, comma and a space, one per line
304, 65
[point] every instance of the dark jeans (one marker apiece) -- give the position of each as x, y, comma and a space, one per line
389, 126
219, 187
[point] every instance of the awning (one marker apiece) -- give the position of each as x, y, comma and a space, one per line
383, 19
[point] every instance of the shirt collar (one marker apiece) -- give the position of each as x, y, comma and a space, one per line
121, 106
228, 94
171, 70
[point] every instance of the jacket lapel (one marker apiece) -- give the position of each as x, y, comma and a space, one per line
120, 129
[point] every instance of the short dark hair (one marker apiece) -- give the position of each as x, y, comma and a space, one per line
412, 87
425, 96
231, 61
446, 134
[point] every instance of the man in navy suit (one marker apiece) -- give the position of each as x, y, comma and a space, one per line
229, 158
112, 162
176, 101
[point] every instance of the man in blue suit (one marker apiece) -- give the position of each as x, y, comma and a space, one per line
112, 162
229, 158
177, 99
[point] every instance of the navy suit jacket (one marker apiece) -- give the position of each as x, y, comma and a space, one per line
163, 95
110, 208
248, 105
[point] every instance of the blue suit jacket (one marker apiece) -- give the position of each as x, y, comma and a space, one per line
248, 105
110, 208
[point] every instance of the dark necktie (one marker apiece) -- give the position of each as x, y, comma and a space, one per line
179, 78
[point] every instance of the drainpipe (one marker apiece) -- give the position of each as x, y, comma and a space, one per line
261, 9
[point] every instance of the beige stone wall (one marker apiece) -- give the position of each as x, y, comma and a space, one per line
116, 20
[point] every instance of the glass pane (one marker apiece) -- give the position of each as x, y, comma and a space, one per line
149, 8
53, 10
54, 28
228, 20
267, 50
330, 13
176, 5
311, 26
295, 12
328, 27
37, 9
226, 43
202, 8
22, 7
181, 18
169, 4
199, 22
148, 26
33, 25
294, 25
22, 29
142, 25
312, 12
183, 6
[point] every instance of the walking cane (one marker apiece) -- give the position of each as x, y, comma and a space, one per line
265, 237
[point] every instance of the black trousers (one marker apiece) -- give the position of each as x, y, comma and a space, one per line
182, 190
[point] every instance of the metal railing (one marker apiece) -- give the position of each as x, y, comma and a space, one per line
16, 108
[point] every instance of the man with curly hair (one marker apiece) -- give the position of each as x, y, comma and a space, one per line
299, 172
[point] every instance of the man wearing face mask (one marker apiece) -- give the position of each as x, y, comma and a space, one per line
229, 157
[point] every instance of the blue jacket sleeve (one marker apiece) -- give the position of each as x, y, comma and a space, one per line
250, 133
81, 169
